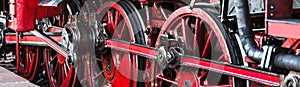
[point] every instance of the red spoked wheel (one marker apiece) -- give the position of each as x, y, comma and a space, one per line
202, 35
110, 67
60, 73
121, 21
29, 63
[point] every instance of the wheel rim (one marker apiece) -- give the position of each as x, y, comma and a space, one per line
202, 36
59, 72
29, 62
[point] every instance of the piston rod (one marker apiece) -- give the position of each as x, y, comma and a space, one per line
54, 45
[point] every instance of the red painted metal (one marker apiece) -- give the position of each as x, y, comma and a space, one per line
109, 74
253, 75
17, 51
206, 46
124, 75
59, 74
213, 1
205, 39
61, 59
27, 11
191, 76
11, 39
51, 43
140, 50
259, 39
291, 43
29, 61
68, 80
168, 80
242, 72
278, 9
284, 30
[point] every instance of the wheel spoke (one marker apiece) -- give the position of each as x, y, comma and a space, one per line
117, 15
196, 37
28, 63
56, 70
184, 31
207, 45
98, 59
68, 66
63, 72
30, 54
97, 75
111, 19
52, 58
221, 57
123, 26
166, 79
197, 31
120, 18
65, 69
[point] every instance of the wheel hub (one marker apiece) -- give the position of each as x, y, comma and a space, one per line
69, 36
187, 83
108, 68
169, 53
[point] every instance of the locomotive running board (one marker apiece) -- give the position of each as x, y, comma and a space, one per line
267, 78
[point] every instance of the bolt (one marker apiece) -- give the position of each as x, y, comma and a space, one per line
272, 7
1, 25
271, 14
147, 31
69, 59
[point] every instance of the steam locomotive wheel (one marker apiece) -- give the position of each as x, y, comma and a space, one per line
60, 73
110, 67
201, 35
29, 60
121, 21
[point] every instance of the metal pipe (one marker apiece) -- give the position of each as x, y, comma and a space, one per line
287, 61
245, 31
282, 60
17, 52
